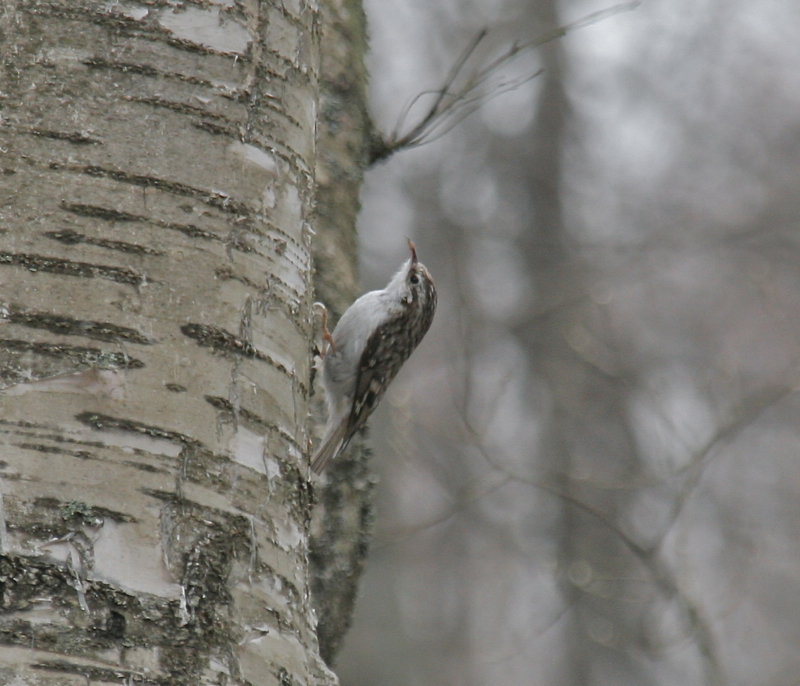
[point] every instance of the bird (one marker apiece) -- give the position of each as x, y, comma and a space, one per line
371, 342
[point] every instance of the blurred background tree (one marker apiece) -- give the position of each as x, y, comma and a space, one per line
590, 467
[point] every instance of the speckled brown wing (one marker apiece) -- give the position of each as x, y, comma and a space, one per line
387, 349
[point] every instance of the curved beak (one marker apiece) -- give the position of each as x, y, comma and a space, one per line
413, 249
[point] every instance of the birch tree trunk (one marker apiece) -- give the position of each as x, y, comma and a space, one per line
157, 183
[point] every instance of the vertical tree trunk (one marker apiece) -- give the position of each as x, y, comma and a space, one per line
342, 523
157, 186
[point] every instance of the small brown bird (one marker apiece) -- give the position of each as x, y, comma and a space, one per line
369, 345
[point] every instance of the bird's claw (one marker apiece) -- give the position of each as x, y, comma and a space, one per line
326, 335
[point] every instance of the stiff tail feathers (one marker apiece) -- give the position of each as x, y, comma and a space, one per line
332, 444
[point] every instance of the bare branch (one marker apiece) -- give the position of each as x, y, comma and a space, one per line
452, 105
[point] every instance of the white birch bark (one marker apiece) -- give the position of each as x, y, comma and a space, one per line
157, 180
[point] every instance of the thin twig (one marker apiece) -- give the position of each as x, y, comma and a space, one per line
452, 105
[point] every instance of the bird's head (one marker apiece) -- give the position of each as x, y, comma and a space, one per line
413, 284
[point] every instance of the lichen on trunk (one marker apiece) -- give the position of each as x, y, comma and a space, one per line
343, 516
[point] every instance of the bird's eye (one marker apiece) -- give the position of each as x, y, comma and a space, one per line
414, 279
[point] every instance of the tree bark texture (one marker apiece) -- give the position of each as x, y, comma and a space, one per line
343, 516
155, 290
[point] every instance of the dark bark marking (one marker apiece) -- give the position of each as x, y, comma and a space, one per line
229, 128
26, 425
189, 230
145, 467
115, 625
70, 237
227, 274
285, 238
288, 66
280, 111
175, 387
54, 265
292, 158
37, 431
108, 214
86, 357
286, 287
227, 407
67, 326
285, 679
278, 245
82, 513
198, 48
154, 72
133, 68
104, 422
124, 25
101, 212
216, 129
284, 296
182, 107
71, 136
55, 450
202, 547
83, 12
82, 454
238, 242
215, 199
220, 340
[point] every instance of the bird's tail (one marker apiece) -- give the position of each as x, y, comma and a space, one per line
332, 444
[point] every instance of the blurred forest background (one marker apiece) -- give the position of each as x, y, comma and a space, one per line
590, 470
